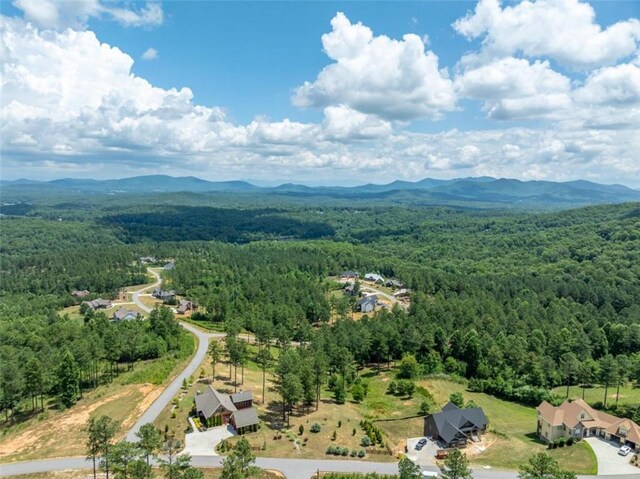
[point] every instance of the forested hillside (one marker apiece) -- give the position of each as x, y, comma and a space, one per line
516, 302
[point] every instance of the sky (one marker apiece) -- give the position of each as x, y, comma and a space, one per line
333, 93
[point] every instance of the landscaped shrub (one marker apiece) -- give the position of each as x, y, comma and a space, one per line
315, 428
570, 441
301, 430
366, 441
344, 451
361, 453
561, 442
353, 433
334, 436
340, 423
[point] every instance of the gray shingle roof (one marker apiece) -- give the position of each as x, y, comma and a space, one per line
245, 417
241, 397
210, 400
452, 421
123, 313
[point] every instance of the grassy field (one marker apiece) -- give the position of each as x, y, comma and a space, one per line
60, 433
628, 394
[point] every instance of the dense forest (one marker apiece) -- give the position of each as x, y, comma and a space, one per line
516, 303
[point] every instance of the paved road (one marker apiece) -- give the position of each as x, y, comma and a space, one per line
168, 394
291, 468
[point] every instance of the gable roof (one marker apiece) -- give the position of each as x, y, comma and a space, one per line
241, 397
245, 417
123, 313
372, 298
451, 420
210, 400
572, 413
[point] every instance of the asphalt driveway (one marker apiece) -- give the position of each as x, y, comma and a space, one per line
204, 443
609, 461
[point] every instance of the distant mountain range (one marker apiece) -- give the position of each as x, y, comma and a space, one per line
484, 190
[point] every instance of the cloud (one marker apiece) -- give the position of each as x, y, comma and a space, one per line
564, 30
393, 79
59, 14
71, 105
513, 88
150, 54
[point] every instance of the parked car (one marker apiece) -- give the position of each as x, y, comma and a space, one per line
624, 450
420, 444
429, 474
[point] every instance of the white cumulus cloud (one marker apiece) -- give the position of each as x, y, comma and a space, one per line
393, 79
564, 30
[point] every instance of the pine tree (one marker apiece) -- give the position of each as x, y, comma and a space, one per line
68, 380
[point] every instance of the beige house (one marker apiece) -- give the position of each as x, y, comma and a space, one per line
578, 419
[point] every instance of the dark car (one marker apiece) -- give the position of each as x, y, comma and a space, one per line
420, 444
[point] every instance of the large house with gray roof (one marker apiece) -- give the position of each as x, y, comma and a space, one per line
98, 304
454, 426
216, 409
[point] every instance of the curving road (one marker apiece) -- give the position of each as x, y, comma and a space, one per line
167, 395
291, 468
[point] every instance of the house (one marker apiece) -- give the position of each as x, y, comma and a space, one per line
169, 266
349, 275
184, 306
98, 304
124, 314
147, 259
163, 294
578, 419
376, 278
367, 304
454, 426
393, 283
401, 293
80, 294
216, 409
350, 289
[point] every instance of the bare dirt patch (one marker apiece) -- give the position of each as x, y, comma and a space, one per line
63, 434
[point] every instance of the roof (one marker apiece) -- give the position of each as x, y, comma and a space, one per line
241, 397
169, 266
632, 430
184, 305
372, 298
210, 400
97, 303
451, 420
123, 313
245, 417
572, 413
373, 276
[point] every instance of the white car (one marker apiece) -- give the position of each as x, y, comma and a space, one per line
427, 474
624, 450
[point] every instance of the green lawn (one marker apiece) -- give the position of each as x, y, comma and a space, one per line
628, 394
514, 426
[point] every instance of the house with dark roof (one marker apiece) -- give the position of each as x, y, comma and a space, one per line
454, 426
124, 314
163, 294
98, 304
184, 306
216, 409
577, 419
349, 275
367, 304
169, 266
374, 277
80, 293
350, 289
393, 283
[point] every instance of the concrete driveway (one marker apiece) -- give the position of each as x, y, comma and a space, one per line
426, 456
609, 461
199, 443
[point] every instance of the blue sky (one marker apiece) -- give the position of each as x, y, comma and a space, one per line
502, 89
